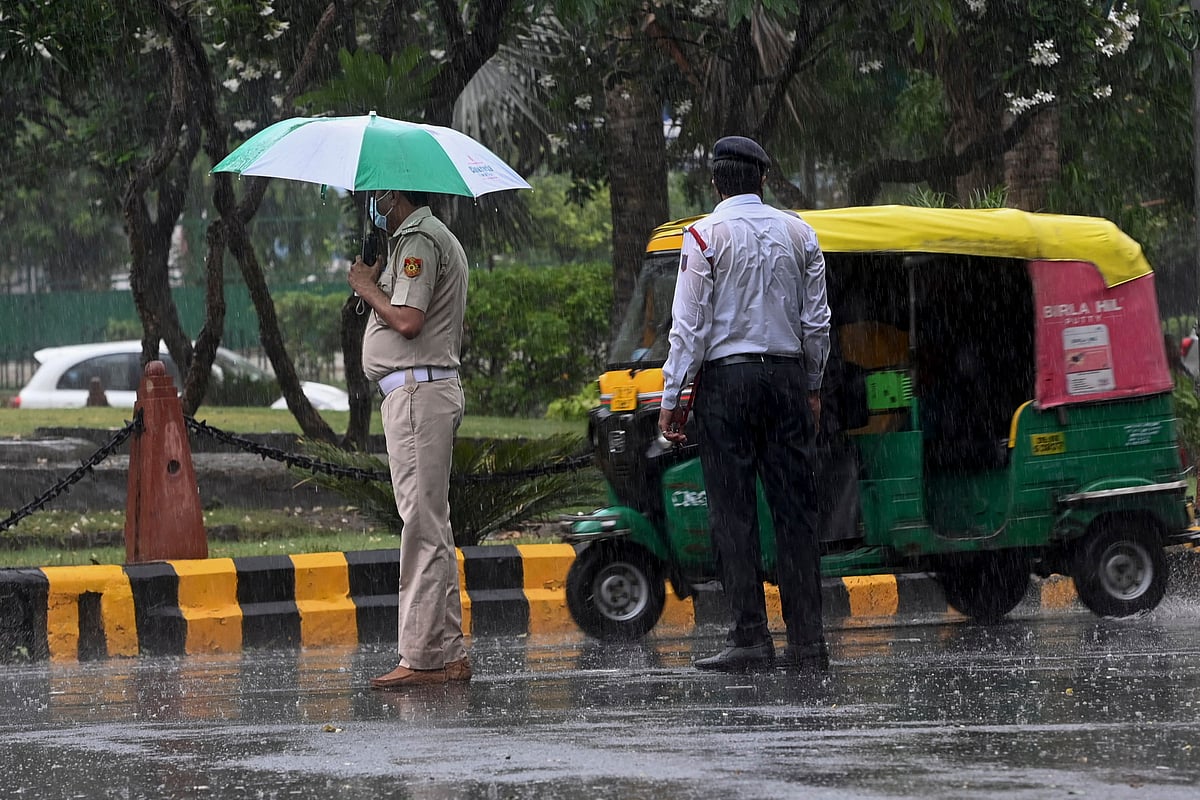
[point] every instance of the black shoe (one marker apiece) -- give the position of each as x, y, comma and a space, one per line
812, 657
740, 659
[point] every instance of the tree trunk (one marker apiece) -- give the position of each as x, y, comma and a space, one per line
972, 119
357, 386
637, 176
164, 176
193, 68
312, 423
195, 385
1033, 164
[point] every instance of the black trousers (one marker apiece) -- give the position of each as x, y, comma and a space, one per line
754, 421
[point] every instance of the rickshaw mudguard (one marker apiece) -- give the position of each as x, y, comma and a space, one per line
1165, 501
616, 522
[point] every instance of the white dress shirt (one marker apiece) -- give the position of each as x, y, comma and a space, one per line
751, 280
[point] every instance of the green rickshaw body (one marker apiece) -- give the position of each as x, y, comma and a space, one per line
1016, 507
1002, 404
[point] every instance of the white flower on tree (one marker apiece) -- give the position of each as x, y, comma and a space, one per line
1044, 54
1019, 105
1119, 33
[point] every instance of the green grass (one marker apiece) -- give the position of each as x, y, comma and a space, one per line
15, 422
70, 538
305, 543
53, 538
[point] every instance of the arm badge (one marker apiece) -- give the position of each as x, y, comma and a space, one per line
412, 267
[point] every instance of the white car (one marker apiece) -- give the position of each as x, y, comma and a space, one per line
64, 376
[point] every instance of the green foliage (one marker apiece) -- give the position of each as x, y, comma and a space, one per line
923, 196
1179, 327
994, 197
298, 232
242, 389
534, 335
374, 499
483, 500
311, 327
577, 405
920, 114
1187, 413
119, 330
567, 228
489, 488
369, 83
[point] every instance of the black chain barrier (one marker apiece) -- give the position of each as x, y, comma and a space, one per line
264, 451
64, 485
337, 470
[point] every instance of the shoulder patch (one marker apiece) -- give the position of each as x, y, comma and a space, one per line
412, 266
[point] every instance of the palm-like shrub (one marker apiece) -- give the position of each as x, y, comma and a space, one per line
495, 484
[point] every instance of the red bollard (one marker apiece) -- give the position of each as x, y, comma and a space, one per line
163, 519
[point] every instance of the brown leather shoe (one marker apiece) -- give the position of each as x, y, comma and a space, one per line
459, 670
403, 677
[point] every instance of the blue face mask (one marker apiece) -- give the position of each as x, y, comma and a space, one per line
379, 219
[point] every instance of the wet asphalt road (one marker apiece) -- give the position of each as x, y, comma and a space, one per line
1043, 706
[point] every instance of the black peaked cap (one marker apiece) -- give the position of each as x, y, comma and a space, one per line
740, 148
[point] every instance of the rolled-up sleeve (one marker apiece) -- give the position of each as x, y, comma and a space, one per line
691, 317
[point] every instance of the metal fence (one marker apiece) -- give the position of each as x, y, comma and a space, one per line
29, 322
16, 368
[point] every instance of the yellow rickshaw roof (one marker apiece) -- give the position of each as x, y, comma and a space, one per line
993, 232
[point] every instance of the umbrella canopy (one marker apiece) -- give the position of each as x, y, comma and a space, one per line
373, 152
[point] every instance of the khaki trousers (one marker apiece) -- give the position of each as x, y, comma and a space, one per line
419, 423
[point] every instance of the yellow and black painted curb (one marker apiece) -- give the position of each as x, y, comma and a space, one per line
223, 605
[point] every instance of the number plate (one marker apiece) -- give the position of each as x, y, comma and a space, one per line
625, 398
1047, 444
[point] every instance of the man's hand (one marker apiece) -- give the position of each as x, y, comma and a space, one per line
362, 278
670, 422
814, 405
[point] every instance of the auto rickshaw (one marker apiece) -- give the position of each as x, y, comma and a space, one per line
997, 403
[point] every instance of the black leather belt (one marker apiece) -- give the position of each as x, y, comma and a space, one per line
752, 358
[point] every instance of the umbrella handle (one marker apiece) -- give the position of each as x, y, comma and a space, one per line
370, 249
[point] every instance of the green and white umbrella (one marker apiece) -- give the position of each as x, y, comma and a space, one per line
373, 152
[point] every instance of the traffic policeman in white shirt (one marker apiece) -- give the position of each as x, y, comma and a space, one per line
751, 318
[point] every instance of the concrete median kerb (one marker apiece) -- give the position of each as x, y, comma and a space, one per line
224, 605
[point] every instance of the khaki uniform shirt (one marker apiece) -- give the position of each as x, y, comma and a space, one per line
426, 270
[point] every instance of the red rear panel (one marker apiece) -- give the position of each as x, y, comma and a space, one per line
1095, 342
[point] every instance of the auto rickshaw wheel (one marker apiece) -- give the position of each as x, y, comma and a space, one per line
986, 586
1120, 568
616, 591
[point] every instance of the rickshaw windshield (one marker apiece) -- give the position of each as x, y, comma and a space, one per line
641, 341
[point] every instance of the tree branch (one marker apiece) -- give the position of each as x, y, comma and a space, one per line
466, 56
865, 184
455, 33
